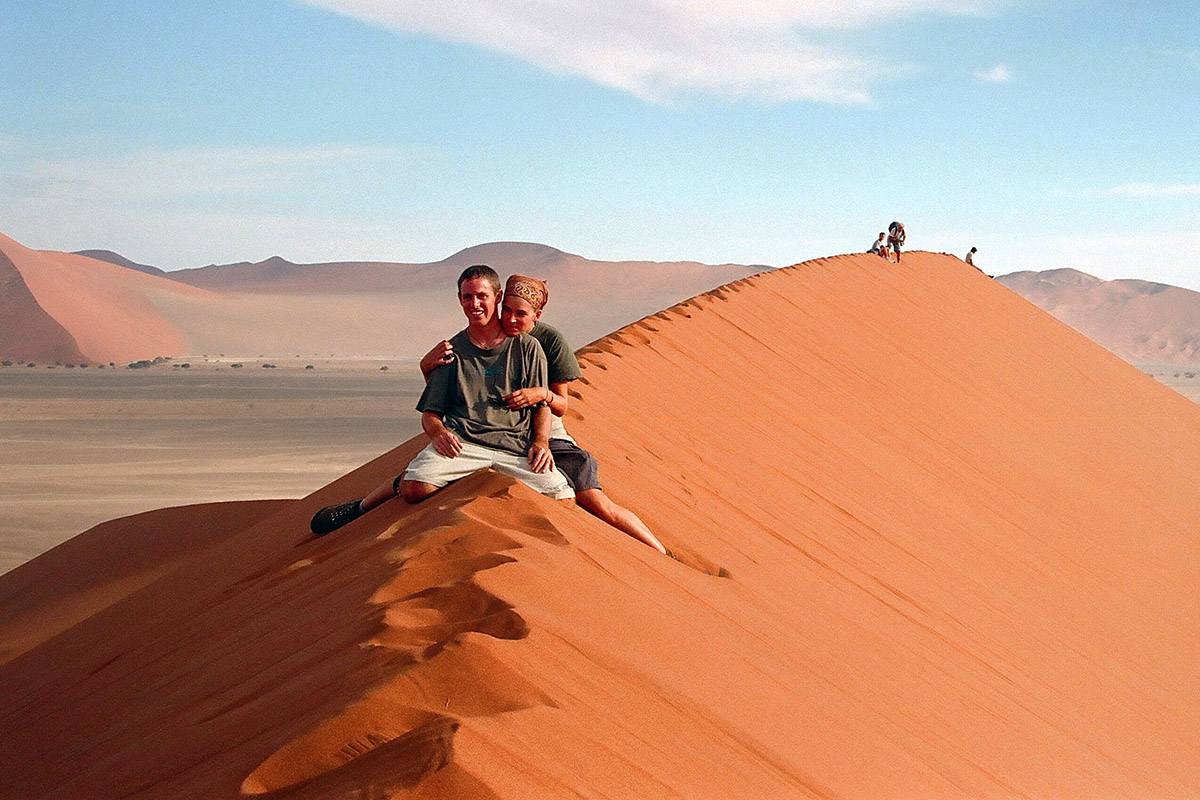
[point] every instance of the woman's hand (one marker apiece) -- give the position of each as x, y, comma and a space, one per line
442, 353
525, 398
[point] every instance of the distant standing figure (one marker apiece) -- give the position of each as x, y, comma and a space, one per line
896, 238
970, 259
880, 247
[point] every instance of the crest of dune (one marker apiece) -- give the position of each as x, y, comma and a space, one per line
932, 543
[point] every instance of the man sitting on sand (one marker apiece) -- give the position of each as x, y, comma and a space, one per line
524, 300
880, 248
469, 425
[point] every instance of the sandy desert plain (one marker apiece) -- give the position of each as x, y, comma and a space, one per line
84, 446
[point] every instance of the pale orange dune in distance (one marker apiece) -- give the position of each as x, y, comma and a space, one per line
1140, 321
106, 308
351, 309
933, 544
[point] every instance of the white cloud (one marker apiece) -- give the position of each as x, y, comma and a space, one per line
997, 74
659, 49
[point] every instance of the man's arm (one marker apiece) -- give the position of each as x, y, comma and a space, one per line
540, 459
443, 439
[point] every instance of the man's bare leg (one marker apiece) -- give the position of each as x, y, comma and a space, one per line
416, 491
597, 503
380, 495
331, 518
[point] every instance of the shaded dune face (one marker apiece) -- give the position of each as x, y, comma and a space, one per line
110, 312
27, 332
932, 543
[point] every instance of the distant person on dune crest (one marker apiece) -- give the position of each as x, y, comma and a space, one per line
524, 300
880, 248
970, 259
896, 238
464, 414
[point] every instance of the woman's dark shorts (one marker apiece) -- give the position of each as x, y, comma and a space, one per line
578, 465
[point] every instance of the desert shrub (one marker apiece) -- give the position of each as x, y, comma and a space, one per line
143, 364
383, 368
69, 366
310, 366
83, 365
31, 364
269, 366
236, 365
185, 365
5, 363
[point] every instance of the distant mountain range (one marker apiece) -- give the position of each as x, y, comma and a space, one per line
99, 306
1141, 321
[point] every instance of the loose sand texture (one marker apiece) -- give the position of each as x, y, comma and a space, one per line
82, 446
932, 543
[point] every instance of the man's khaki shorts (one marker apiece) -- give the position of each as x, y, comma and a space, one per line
433, 468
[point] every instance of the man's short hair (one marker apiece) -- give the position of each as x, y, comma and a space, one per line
480, 271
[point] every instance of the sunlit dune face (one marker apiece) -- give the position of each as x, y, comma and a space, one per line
518, 316
478, 300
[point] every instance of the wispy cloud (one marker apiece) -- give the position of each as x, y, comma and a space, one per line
1189, 57
1144, 190
661, 49
997, 74
1134, 191
191, 174
211, 203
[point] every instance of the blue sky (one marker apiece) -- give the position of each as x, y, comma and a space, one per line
182, 133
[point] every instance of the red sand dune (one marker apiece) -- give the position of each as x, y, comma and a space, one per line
958, 549
1143, 322
108, 310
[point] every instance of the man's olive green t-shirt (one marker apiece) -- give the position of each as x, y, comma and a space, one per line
467, 392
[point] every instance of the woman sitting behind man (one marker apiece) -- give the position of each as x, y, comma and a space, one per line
524, 300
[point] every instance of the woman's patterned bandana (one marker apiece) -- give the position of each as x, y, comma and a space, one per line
531, 290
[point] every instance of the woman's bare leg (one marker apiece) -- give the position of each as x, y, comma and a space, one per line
596, 502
